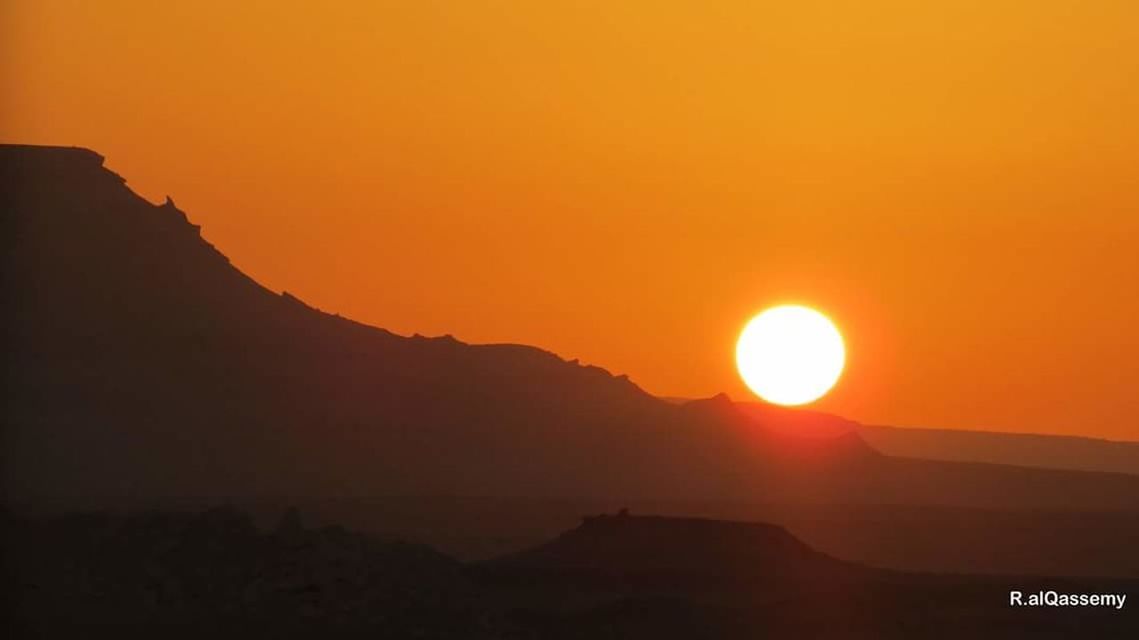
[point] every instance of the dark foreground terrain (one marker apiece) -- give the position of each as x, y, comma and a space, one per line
615, 576
141, 365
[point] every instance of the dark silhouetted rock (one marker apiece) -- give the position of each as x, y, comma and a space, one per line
181, 571
141, 363
289, 529
629, 546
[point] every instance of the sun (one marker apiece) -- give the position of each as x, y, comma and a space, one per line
790, 355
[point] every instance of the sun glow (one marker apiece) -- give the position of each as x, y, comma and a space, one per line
790, 355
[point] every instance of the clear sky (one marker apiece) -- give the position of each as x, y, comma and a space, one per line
953, 182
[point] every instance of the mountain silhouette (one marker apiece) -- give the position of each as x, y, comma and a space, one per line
1020, 449
1023, 449
665, 577
679, 550
141, 363
215, 572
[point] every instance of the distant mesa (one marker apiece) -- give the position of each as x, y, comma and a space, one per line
177, 574
657, 547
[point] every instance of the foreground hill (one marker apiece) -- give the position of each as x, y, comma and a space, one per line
657, 577
215, 574
678, 550
140, 363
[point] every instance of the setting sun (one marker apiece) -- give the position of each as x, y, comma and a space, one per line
790, 355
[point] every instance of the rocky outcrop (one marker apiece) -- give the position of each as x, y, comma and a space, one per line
215, 566
684, 550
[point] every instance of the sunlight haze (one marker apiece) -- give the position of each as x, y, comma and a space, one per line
953, 182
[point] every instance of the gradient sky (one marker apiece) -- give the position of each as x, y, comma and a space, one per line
953, 182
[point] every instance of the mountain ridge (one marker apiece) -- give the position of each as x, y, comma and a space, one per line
1044, 451
678, 547
136, 342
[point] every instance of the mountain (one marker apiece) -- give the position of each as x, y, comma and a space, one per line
687, 550
182, 575
660, 577
1020, 449
215, 573
140, 363
1023, 449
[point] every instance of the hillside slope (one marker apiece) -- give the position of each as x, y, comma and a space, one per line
675, 549
1020, 449
1023, 449
140, 362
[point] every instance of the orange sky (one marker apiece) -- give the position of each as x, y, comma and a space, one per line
954, 182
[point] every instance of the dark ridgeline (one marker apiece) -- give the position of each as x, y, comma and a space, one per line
632, 576
1020, 449
140, 363
674, 552
624, 576
215, 572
